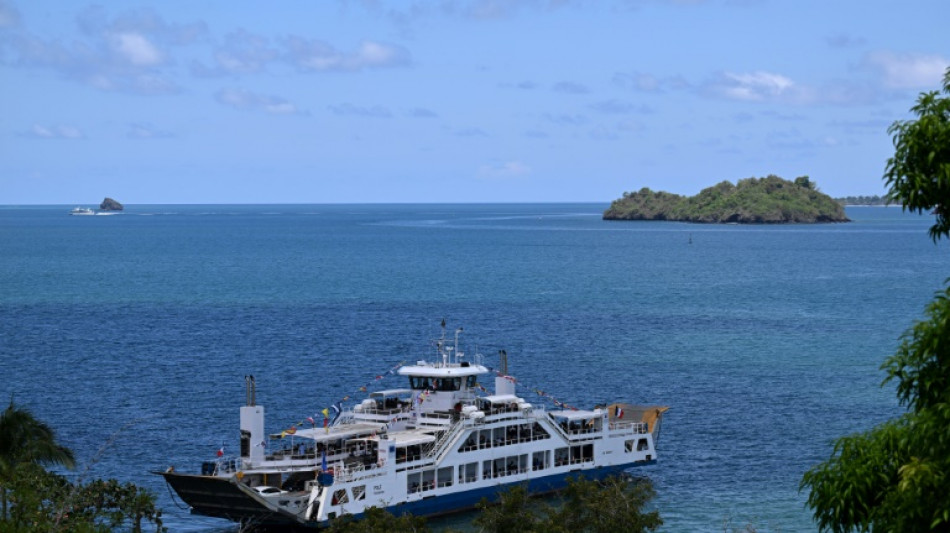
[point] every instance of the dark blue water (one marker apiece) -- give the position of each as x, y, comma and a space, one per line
131, 333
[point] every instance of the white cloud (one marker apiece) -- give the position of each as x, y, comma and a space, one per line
136, 49
241, 53
55, 132
755, 86
908, 71
314, 54
146, 131
124, 53
507, 169
245, 100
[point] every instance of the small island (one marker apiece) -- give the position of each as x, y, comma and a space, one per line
768, 200
110, 205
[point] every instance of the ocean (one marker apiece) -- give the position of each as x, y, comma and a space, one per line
131, 334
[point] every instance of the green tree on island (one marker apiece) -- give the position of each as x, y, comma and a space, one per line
896, 477
36, 500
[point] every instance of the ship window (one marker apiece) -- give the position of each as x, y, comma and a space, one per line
560, 457
340, 497
539, 460
470, 382
359, 493
628, 445
538, 432
428, 479
447, 384
582, 454
470, 443
468, 473
642, 445
444, 477
419, 382
487, 470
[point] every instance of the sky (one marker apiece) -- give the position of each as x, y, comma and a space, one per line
217, 102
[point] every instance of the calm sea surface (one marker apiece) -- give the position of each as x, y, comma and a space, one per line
131, 333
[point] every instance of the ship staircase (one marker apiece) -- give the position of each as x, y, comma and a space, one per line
444, 443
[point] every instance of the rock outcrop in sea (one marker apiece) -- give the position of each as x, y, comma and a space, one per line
110, 205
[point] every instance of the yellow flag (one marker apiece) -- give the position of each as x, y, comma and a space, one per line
326, 413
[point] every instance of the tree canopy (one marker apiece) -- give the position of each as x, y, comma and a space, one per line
919, 173
36, 500
896, 476
768, 200
610, 506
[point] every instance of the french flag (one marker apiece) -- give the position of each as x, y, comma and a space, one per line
618, 412
220, 451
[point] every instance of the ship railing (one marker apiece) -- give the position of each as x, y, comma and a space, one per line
223, 466
346, 417
434, 418
355, 471
387, 411
439, 447
628, 427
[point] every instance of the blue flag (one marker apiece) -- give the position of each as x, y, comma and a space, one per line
337, 410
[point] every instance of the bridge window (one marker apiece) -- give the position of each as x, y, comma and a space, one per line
419, 382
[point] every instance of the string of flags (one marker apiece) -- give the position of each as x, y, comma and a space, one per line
337, 407
539, 392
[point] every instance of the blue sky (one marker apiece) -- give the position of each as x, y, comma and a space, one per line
436, 101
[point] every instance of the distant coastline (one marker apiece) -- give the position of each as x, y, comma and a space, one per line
864, 201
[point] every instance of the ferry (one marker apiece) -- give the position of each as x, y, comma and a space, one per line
81, 211
439, 445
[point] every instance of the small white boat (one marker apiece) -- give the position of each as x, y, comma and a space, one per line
437, 447
82, 211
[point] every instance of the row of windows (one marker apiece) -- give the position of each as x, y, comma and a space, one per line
431, 479
503, 436
340, 496
441, 384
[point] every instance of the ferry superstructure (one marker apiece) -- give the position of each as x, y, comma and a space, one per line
438, 446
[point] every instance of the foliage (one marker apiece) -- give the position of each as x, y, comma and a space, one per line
753, 200
919, 173
589, 507
512, 513
36, 500
26, 440
896, 477
376, 520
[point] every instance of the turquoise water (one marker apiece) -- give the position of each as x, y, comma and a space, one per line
134, 331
